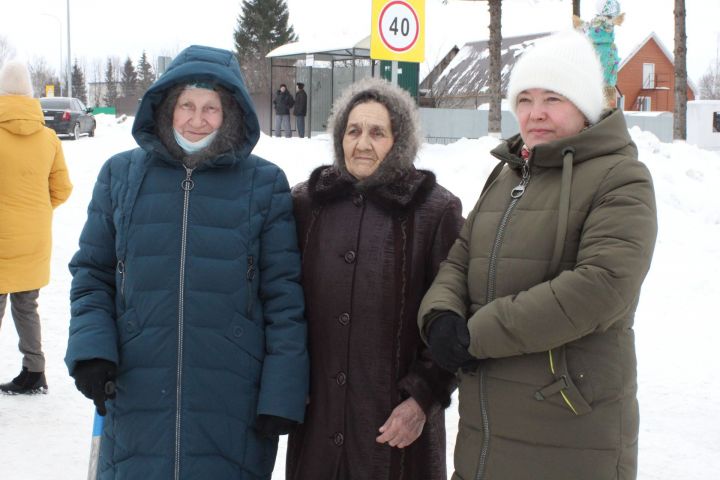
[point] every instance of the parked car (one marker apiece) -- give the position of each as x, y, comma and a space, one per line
68, 116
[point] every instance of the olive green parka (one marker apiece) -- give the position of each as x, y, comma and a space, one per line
547, 271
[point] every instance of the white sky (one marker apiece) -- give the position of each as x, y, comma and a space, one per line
163, 27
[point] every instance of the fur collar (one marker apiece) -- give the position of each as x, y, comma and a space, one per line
329, 183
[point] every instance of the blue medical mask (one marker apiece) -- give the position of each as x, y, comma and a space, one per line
193, 147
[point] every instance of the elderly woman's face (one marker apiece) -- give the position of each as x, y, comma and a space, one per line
545, 116
368, 138
198, 113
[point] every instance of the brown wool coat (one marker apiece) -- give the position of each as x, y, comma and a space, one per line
555, 395
368, 258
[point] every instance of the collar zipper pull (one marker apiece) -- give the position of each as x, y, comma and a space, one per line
519, 190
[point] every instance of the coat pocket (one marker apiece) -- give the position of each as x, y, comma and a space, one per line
563, 384
128, 326
248, 336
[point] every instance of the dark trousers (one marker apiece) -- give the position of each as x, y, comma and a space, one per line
23, 306
300, 125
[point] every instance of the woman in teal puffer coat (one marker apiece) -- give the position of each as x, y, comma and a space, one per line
185, 288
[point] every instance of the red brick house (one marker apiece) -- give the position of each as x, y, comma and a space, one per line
646, 78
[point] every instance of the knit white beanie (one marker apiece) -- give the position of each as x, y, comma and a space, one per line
15, 79
565, 63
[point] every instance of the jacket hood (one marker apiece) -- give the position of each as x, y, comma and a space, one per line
20, 115
608, 135
198, 64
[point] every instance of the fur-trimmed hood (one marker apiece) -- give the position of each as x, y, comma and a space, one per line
404, 120
329, 183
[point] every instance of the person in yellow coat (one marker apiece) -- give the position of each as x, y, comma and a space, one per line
33, 181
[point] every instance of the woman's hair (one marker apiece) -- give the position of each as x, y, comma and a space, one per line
230, 134
404, 122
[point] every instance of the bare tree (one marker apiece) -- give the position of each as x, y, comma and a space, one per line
680, 114
6, 50
41, 75
494, 45
576, 7
710, 83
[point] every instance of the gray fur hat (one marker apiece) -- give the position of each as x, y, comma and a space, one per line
404, 121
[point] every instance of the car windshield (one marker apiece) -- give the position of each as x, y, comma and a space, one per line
54, 103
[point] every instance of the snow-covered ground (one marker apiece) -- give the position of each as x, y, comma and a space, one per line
48, 436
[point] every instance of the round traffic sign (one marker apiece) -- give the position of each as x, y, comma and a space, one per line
399, 26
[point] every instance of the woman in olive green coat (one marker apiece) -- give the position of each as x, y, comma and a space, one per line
534, 306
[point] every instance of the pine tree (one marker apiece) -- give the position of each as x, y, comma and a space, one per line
111, 93
146, 75
261, 27
78, 83
129, 79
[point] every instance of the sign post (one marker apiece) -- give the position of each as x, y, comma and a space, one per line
397, 32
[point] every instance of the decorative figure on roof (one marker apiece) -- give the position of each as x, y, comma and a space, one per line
601, 31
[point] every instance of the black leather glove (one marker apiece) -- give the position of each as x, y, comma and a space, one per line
449, 339
95, 379
269, 426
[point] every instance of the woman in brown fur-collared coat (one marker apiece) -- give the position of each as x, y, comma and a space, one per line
373, 231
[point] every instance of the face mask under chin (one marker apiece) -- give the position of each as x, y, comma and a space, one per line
193, 147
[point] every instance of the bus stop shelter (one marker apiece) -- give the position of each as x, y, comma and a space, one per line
325, 68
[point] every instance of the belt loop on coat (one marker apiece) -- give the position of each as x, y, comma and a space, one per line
563, 212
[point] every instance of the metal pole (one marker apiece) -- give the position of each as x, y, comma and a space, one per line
271, 98
394, 73
60, 63
309, 125
69, 68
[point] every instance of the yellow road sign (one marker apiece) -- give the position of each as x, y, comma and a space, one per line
398, 30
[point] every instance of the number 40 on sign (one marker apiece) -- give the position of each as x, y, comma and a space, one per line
398, 30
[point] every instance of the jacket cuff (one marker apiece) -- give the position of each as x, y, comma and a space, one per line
431, 387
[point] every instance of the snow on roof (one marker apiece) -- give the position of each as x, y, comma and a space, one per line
324, 48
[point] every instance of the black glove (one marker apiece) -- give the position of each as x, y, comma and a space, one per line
95, 379
269, 426
449, 339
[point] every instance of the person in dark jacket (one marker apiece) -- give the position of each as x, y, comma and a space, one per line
283, 102
186, 288
534, 306
373, 231
300, 109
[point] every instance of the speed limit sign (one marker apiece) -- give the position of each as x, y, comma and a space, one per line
397, 30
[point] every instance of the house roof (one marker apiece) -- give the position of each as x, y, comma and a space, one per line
663, 49
468, 74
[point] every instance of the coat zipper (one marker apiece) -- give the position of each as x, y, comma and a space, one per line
187, 185
515, 196
121, 271
485, 427
250, 276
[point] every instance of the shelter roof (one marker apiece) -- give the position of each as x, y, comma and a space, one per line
335, 49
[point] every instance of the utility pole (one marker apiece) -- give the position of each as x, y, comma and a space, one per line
69, 56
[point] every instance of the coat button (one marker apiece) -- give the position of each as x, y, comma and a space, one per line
238, 331
338, 439
130, 327
358, 199
344, 318
341, 378
349, 256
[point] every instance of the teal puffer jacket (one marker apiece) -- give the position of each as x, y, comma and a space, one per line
189, 281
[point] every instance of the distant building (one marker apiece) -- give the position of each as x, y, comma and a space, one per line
646, 78
464, 82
